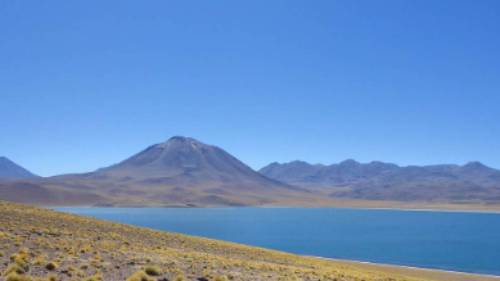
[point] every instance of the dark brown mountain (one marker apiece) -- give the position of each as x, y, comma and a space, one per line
473, 182
182, 172
11, 170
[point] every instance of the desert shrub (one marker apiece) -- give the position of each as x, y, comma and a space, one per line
21, 259
17, 277
152, 270
139, 276
14, 268
23, 252
39, 260
84, 266
51, 277
71, 268
95, 277
179, 277
51, 265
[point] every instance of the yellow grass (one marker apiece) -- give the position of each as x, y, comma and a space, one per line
81, 248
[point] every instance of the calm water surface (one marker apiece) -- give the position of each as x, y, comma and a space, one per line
468, 242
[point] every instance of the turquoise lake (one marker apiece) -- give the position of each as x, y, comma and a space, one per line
458, 241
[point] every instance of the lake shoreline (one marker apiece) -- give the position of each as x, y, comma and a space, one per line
244, 211
173, 254
416, 209
418, 270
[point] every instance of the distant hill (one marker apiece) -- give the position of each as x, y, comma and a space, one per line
473, 182
179, 172
10, 170
31, 192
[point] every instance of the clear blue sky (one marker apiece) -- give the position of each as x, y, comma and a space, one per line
84, 84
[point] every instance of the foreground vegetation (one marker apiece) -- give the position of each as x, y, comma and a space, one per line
40, 244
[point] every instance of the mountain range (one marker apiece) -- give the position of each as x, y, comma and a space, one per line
472, 182
185, 172
179, 172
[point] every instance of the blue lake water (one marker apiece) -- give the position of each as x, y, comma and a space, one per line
457, 241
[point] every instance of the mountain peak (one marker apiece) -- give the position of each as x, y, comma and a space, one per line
183, 159
179, 142
4, 159
476, 165
349, 162
181, 139
9, 169
299, 163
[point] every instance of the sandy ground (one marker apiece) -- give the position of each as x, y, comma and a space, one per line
431, 274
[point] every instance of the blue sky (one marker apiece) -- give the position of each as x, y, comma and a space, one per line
84, 84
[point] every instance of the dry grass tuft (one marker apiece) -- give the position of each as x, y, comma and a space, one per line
152, 270
140, 276
14, 268
180, 277
17, 277
220, 278
51, 265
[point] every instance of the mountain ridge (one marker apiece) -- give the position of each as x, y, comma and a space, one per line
386, 181
185, 172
